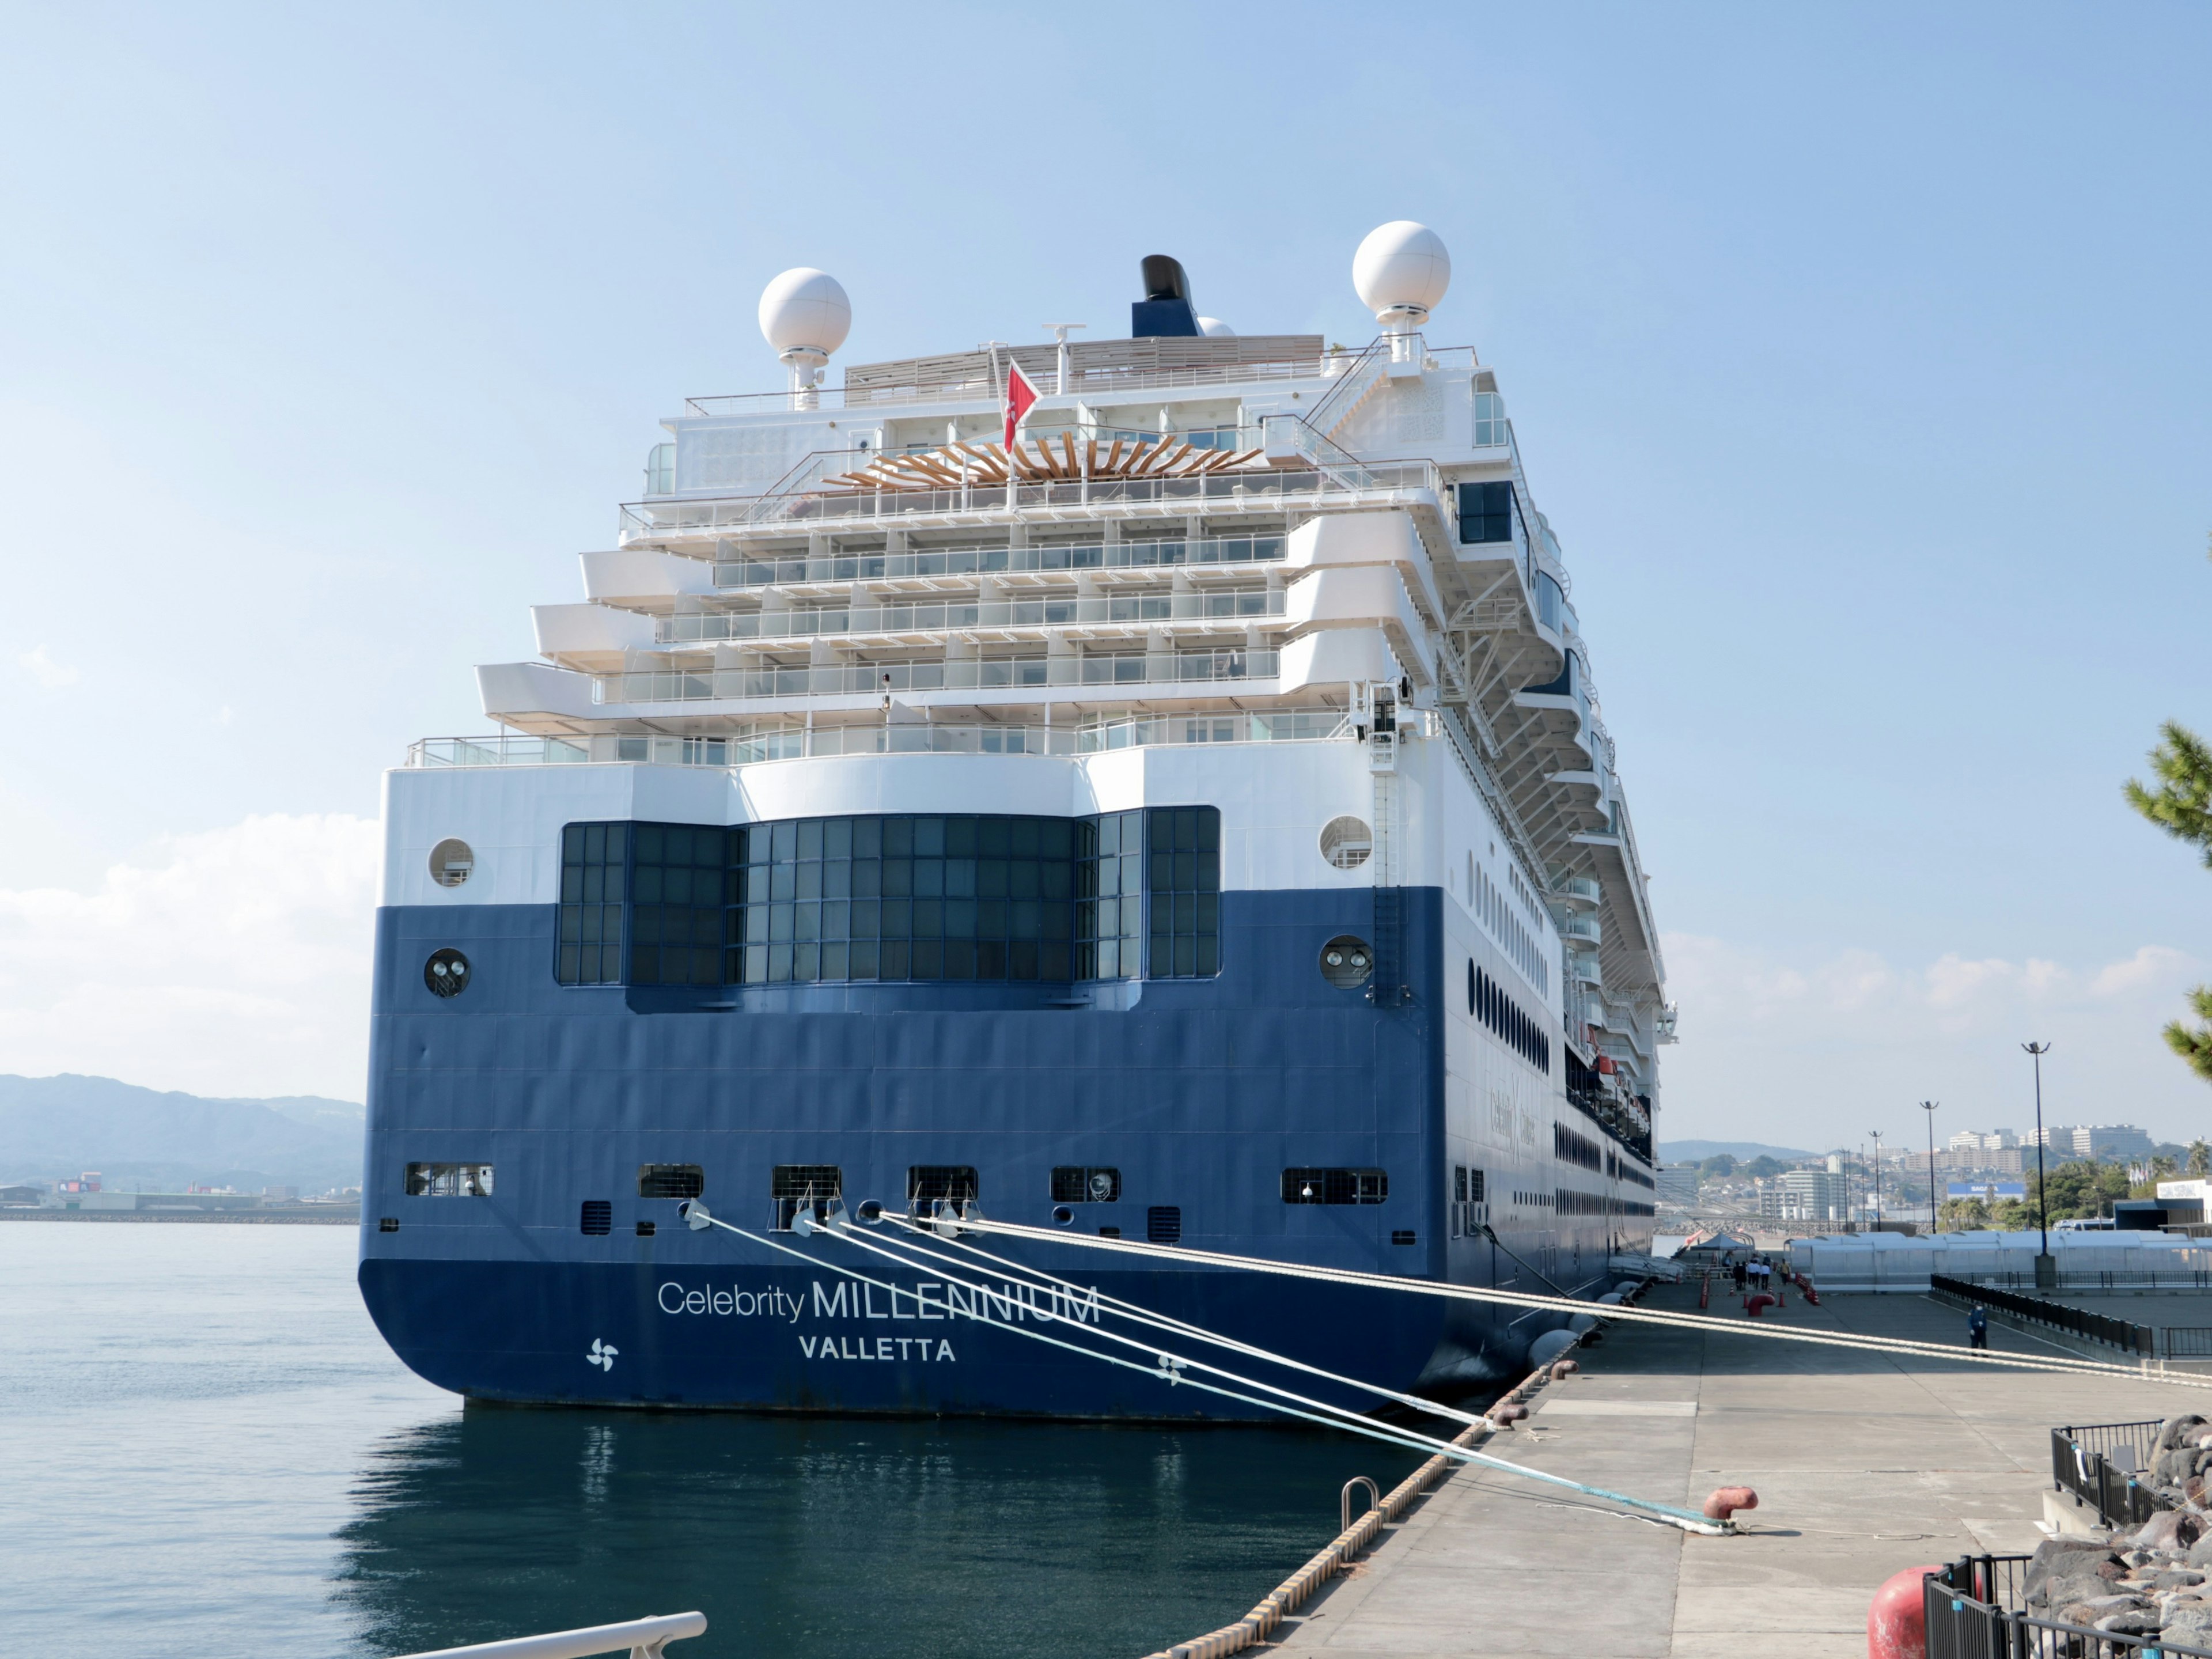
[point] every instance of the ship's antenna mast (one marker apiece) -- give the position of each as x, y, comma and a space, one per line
1060, 332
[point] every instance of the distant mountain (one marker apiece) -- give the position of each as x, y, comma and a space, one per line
53, 1126
1697, 1151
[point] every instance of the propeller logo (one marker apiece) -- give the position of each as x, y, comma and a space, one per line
602, 1355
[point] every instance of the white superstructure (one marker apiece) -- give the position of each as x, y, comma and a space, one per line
1312, 579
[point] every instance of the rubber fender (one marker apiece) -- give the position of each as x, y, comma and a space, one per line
1552, 1345
1897, 1618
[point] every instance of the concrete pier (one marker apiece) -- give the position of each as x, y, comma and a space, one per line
1864, 1465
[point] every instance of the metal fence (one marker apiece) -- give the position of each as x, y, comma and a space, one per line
2185, 1342
2097, 1327
1974, 1609
2099, 1278
2099, 1463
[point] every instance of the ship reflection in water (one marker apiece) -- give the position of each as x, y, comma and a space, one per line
801, 1536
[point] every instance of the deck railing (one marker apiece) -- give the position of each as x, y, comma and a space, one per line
795, 570
971, 674
794, 741
1381, 483
697, 627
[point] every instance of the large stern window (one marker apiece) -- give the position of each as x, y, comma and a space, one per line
809, 901
594, 864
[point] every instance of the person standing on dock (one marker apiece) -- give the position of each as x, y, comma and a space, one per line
1978, 1329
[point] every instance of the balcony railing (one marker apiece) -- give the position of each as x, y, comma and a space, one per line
985, 391
1072, 611
974, 674
1089, 372
992, 560
795, 741
1257, 488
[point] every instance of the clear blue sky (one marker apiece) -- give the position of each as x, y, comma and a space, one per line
1859, 355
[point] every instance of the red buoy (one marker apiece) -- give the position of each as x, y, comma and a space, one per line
1897, 1618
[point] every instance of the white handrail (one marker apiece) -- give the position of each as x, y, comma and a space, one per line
643, 1638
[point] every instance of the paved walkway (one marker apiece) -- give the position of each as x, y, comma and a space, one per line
1863, 1466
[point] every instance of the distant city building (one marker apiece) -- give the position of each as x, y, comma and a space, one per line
1807, 1195
1678, 1184
1976, 1160
1983, 1140
2099, 1140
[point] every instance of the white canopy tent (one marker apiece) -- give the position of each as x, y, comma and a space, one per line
1895, 1261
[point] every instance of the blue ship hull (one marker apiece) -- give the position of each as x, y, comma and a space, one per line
1200, 1093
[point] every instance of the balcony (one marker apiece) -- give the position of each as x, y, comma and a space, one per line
996, 561
972, 674
1125, 611
1580, 892
1579, 930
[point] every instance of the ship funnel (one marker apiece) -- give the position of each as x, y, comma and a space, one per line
1165, 311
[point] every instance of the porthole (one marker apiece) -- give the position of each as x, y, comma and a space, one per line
447, 973
1346, 962
451, 862
1345, 842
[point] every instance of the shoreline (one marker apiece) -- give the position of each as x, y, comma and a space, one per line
233, 1217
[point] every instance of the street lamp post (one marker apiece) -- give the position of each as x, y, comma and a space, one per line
1928, 1107
2046, 1267
1876, 1136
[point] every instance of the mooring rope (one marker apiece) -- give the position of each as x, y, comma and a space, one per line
1172, 1368
1885, 1345
1142, 1315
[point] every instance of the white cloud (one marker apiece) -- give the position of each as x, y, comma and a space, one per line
1816, 1053
44, 669
237, 963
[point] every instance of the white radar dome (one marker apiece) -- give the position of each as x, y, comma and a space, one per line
1402, 271
1214, 328
806, 310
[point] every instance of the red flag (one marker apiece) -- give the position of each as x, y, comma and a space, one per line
1021, 397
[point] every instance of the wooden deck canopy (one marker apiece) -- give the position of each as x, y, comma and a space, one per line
1056, 459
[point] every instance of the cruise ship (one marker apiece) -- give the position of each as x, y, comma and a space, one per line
1145, 788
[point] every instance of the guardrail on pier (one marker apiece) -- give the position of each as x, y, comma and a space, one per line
2093, 1326
1973, 1611
2098, 1463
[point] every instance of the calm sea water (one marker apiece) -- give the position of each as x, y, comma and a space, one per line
206, 1450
